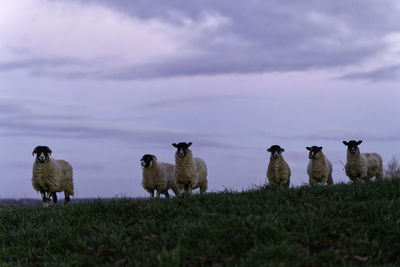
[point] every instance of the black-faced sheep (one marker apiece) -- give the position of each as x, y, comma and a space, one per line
50, 176
319, 168
362, 165
158, 176
278, 172
190, 173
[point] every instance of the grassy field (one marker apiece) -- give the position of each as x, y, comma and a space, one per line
344, 224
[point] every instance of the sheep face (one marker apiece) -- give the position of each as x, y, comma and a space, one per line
276, 151
352, 146
313, 151
182, 148
42, 153
147, 160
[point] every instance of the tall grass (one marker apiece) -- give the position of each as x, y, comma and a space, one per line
343, 224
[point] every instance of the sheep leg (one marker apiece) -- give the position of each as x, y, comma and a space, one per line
176, 190
45, 199
186, 188
54, 195
312, 181
324, 180
151, 193
189, 189
330, 179
158, 193
203, 188
67, 199
379, 174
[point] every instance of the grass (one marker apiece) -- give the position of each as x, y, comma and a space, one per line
344, 224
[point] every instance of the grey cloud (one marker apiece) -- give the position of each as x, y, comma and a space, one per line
13, 111
266, 36
165, 103
21, 122
261, 36
217, 62
385, 73
42, 63
334, 136
131, 136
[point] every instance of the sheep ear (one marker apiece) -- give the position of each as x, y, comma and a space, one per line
282, 150
49, 150
34, 151
308, 148
189, 144
320, 148
269, 149
345, 143
174, 145
154, 157
359, 142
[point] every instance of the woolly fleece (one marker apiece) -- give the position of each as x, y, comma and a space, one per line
363, 166
319, 170
160, 177
190, 173
278, 172
53, 176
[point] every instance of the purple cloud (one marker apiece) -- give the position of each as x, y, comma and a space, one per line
256, 37
389, 73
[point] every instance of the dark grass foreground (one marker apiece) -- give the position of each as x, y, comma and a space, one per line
343, 224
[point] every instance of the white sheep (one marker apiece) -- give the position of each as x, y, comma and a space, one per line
190, 173
278, 172
158, 176
362, 165
50, 176
319, 168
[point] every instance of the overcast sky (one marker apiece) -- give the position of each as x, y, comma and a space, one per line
103, 82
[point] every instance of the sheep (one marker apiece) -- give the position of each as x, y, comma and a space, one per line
50, 176
362, 165
278, 172
158, 176
190, 173
319, 168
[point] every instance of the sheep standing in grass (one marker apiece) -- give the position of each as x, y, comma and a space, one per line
51, 176
190, 173
362, 165
158, 176
278, 172
319, 168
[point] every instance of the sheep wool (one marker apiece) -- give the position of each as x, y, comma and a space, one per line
51, 175
362, 165
190, 173
319, 168
278, 172
158, 176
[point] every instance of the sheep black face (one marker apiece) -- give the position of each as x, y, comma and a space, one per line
147, 160
275, 151
182, 148
352, 145
42, 153
313, 151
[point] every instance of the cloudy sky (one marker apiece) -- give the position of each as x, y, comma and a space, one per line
103, 82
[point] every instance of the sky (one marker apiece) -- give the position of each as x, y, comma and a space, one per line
103, 82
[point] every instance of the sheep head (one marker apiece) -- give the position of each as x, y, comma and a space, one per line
352, 146
42, 153
276, 151
313, 151
182, 148
147, 160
